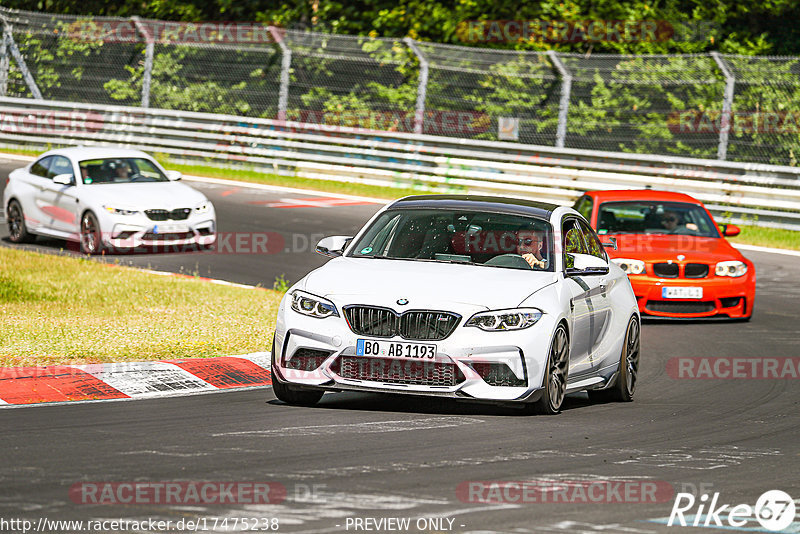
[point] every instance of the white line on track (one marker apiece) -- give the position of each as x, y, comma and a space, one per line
373, 427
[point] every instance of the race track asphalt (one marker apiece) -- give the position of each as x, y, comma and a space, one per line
369, 456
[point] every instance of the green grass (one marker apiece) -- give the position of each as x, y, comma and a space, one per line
60, 310
349, 188
768, 237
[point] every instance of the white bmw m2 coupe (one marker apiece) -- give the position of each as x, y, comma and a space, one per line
105, 198
481, 298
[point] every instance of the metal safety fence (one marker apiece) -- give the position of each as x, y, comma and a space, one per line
717, 106
765, 195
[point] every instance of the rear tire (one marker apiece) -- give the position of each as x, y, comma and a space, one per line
625, 384
17, 230
555, 378
286, 393
91, 236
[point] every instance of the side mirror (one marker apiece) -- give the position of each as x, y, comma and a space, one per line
730, 230
63, 179
174, 176
612, 243
333, 246
586, 265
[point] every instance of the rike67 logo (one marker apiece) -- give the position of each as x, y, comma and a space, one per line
774, 510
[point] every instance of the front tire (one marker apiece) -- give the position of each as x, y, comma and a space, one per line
555, 378
286, 393
625, 384
91, 236
17, 230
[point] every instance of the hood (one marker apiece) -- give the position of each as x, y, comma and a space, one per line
426, 285
661, 247
145, 195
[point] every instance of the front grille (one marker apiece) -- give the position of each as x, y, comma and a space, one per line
179, 214
414, 324
175, 236
497, 374
398, 371
679, 307
426, 325
666, 270
307, 359
695, 270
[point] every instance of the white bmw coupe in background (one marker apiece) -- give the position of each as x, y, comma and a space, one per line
105, 198
483, 298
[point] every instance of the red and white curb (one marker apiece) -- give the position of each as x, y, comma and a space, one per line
131, 380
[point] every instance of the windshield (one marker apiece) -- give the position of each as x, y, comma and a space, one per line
120, 171
647, 217
492, 239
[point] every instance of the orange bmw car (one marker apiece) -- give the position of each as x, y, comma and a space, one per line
677, 259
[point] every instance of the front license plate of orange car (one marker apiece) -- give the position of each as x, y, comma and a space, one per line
393, 349
682, 292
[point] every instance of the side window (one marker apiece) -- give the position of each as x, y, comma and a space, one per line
592, 242
573, 241
584, 207
40, 167
60, 165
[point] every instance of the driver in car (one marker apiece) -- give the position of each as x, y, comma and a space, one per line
529, 246
671, 222
123, 171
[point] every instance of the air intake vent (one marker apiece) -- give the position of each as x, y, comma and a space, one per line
398, 371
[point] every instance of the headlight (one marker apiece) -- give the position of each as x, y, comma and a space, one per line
120, 211
734, 268
629, 266
311, 305
203, 208
496, 320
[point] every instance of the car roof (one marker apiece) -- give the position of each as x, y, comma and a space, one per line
516, 206
641, 194
80, 153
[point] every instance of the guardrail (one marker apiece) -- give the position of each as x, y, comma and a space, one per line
757, 194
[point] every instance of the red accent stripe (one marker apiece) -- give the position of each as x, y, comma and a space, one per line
57, 383
226, 372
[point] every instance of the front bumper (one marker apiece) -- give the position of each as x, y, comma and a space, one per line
321, 354
723, 297
128, 232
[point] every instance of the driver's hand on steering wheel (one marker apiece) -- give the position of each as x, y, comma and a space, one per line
533, 261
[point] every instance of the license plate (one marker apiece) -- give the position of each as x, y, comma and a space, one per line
170, 228
394, 349
682, 292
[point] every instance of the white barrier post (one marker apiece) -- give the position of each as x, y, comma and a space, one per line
727, 104
422, 87
563, 105
3, 63
23, 67
286, 64
149, 51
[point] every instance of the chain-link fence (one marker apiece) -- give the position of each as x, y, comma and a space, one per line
739, 108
